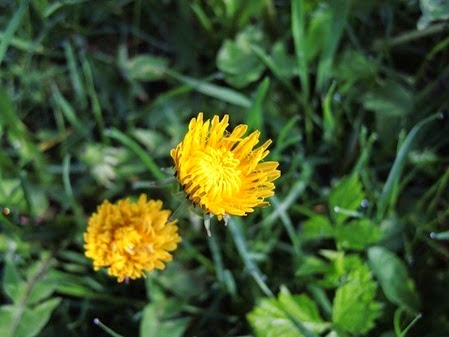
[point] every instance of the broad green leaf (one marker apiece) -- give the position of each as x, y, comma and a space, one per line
283, 62
339, 333
346, 195
238, 61
393, 277
313, 265
316, 228
7, 313
432, 10
357, 234
302, 309
153, 323
239, 13
41, 289
287, 316
146, 68
354, 308
28, 322
13, 284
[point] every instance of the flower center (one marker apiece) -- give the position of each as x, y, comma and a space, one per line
127, 239
216, 173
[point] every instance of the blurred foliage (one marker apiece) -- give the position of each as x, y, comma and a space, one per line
94, 94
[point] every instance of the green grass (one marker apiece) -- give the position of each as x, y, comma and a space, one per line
94, 94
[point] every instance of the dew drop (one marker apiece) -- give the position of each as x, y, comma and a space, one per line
433, 235
364, 203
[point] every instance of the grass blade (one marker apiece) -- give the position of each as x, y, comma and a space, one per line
11, 29
340, 10
288, 201
298, 19
68, 111
386, 198
254, 270
75, 78
137, 149
298, 33
212, 90
95, 101
255, 118
24, 45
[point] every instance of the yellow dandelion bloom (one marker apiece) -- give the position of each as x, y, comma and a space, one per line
130, 237
221, 171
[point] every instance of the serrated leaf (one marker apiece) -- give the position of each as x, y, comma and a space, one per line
357, 234
146, 68
302, 309
347, 195
279, 317
393, 277
313, 265
354, 308
317, 227
341, 266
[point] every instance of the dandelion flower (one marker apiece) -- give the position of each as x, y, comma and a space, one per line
222, 172
130, 237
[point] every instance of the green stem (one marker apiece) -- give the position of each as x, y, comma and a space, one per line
106, 329
410, 36
254, 270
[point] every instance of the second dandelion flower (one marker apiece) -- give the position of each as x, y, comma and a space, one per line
221, 171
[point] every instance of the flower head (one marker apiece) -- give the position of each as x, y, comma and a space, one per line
130, 237
221, 171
